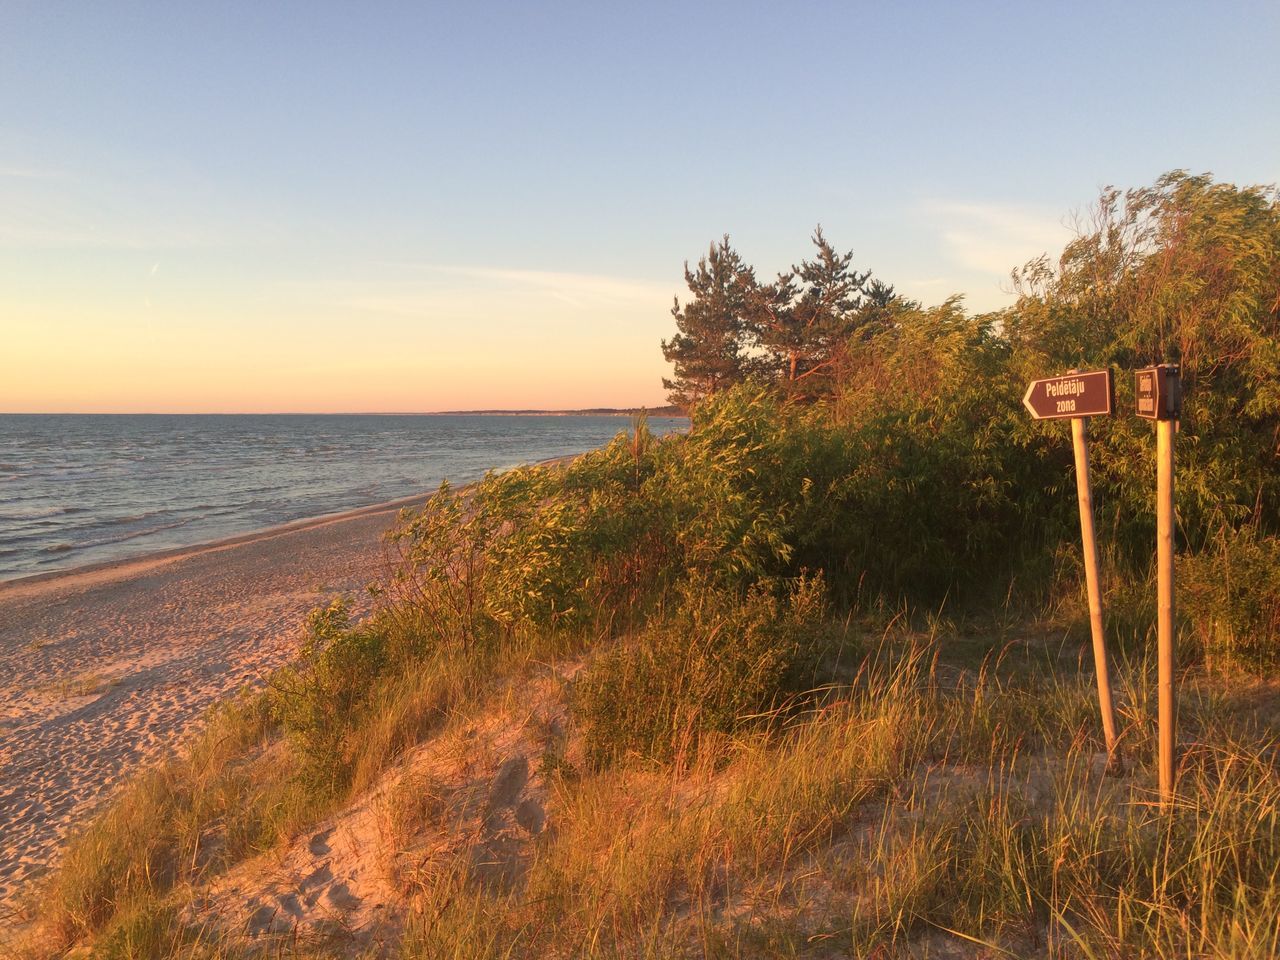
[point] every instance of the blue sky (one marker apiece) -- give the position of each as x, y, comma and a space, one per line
393, 206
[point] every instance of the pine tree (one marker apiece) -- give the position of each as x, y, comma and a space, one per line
804, 320
709, 351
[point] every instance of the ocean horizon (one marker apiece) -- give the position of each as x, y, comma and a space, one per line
80, 489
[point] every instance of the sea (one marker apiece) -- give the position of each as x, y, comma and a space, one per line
84, 489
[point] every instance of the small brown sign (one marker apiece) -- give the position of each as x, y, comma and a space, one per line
1089, 394
1157, 392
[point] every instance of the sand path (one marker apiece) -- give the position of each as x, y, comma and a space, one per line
105, 668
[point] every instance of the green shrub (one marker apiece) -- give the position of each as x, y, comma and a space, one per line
1232, 599
536, 546
923, 478
318, 701
910, 497
908, 493
719, 661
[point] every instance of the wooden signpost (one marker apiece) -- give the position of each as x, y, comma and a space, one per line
1158, 397
1077, 396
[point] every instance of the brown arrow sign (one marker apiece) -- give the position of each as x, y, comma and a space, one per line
1087, 394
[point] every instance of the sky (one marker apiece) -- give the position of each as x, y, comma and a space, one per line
315, 206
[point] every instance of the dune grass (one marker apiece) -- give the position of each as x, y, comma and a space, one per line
240, 788
891, 819
86, 684
888, 818
930, 798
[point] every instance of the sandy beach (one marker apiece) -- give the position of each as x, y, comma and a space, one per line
105, 668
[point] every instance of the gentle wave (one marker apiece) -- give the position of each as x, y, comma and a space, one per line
41, 513
135, 534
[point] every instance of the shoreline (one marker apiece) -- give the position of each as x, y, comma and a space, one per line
105, 571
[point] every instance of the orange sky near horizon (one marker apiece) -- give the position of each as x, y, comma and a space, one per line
504, 340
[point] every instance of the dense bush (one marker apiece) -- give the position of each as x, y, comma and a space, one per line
1186, 270
718, 661
536, 546
544, 546
1232, 599
952, 488
319, 699
937, 490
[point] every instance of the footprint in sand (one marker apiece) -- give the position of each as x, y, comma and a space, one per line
531, 816
317, 877
319, 844
329, 928
289, 904
510, 780
340, 897
267, 919
496, 864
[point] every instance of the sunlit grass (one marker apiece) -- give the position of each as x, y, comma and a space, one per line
912, 805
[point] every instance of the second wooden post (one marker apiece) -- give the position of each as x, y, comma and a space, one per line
1167, 706
1158, 397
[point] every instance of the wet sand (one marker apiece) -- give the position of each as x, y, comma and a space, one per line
104, 668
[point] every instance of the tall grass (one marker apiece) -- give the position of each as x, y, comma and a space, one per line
918, 801
892, 817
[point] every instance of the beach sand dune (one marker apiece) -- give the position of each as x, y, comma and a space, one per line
104, 669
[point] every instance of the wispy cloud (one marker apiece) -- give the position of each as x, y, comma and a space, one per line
28, 173
576, 289
48, 208
568, 286
58, 229
993, 237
